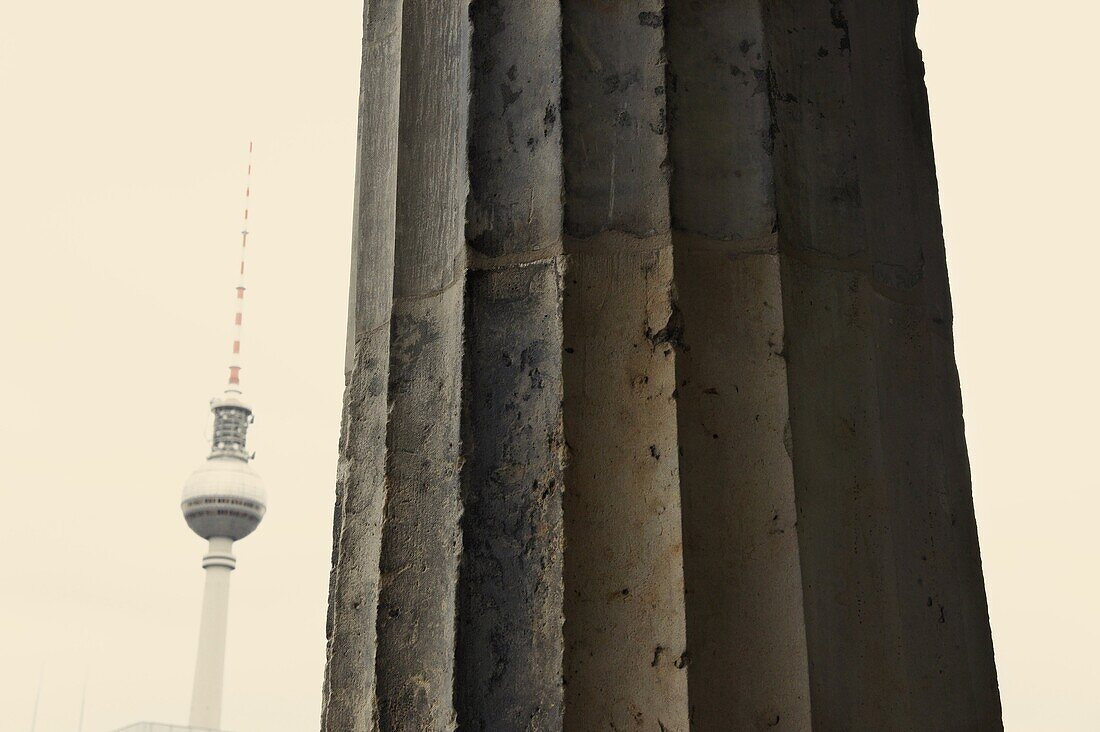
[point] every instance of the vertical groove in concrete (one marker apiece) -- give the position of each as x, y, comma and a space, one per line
510, 627
624, 628
624, 625
348, 702
745, 626
613, 105
421, 539
719, 120
896, 620
509, 652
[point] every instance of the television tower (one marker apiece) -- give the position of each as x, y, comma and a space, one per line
223, 501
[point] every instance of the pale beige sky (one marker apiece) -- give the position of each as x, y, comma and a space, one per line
122, 145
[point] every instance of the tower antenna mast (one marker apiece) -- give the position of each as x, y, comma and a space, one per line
235, 361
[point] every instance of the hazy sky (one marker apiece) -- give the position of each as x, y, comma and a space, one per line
123, 140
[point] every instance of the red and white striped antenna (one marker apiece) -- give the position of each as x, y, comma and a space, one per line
235, 361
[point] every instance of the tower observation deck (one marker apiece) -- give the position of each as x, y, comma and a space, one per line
223, 501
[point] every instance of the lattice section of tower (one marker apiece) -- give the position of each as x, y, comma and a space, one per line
230, 432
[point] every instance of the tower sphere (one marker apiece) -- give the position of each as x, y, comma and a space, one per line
224, 498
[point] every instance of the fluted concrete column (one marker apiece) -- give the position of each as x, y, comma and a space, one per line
652, 420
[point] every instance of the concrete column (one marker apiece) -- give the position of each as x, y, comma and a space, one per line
349, 691
625, 655
509, 651
206, 695
896, 622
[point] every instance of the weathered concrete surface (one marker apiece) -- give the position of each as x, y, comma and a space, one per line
743, 585
613, 105
515, 132
624, 611
896, 621
624, 624
421, 539
719, 119
510, 628
349, 690
509, 651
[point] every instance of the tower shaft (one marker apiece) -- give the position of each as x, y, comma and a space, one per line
206, 695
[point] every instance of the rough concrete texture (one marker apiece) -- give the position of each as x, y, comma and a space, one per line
510, 592
349, 698
510, 606
719, 119
515, 130
896, 621
421, 537
659, 426
743, 585
626, 653
613, 107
